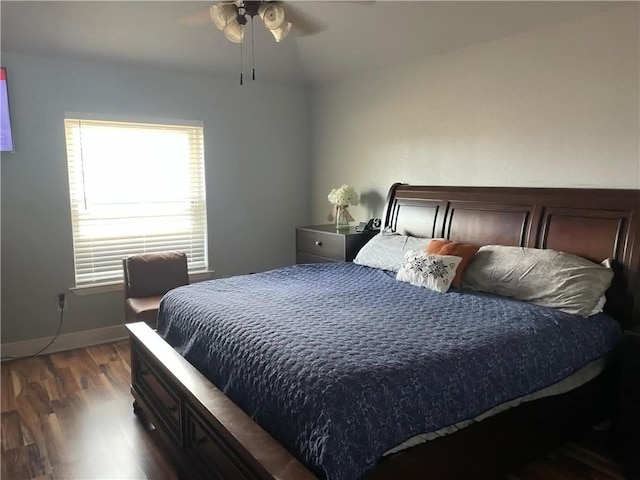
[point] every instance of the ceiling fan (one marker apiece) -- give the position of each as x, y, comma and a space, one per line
231, 17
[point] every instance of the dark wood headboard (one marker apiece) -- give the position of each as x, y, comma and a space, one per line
592, 223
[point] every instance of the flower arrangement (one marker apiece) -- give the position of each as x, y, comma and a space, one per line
345, 195
341, 198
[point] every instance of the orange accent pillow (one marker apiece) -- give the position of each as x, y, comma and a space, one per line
449, 247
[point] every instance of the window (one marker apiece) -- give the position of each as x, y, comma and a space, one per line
134, 188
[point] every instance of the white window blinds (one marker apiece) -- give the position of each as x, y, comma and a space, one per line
134, 188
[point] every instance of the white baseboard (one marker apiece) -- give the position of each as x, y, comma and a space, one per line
67, 341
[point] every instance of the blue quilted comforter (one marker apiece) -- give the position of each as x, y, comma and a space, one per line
341, 362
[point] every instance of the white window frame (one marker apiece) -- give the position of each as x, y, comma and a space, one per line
111, 219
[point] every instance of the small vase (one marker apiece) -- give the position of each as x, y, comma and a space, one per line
341, 217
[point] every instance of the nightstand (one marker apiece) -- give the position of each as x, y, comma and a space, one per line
629, 409
323, 243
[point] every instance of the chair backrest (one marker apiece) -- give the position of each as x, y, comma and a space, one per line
150, 274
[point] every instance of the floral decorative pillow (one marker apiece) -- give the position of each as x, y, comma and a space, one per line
432, 271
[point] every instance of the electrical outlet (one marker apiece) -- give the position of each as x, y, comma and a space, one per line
62, 302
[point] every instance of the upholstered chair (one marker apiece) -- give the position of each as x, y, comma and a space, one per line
147, 277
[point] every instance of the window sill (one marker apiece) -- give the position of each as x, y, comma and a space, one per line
119, 286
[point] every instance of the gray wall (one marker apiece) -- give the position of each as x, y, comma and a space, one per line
553, 107
257, 174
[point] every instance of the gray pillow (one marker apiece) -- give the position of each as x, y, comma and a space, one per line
386, 250
545, 277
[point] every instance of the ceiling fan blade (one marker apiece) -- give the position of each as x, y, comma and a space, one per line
303, 24
196, 19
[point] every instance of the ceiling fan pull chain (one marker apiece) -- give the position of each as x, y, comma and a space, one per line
253, 58
241, 63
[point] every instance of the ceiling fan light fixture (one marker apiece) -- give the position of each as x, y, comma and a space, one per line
222, 14
261, 10
234, 31
272, 15
281, 32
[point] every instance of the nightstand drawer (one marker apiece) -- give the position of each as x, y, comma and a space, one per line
322, 244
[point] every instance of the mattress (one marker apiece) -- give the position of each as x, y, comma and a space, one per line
340, 362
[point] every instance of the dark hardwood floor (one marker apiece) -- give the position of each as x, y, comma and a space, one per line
69, 416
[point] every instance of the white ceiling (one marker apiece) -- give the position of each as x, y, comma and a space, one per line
359, 36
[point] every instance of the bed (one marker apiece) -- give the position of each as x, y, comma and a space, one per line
211, 436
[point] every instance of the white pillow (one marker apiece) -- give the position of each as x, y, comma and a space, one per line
545, 277
599, 308
386, 250
435, 272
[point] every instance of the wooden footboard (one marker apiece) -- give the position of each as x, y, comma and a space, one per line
208, 435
